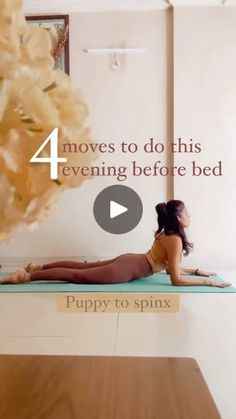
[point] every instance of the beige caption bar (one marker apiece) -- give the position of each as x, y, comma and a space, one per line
118, 302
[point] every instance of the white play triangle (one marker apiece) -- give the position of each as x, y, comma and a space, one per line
116, 209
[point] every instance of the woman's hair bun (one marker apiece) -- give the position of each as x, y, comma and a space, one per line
161, 208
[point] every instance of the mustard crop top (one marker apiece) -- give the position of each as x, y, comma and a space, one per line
158, 255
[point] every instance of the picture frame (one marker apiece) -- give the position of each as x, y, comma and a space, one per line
58, 28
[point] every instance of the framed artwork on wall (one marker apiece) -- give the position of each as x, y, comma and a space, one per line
58, 28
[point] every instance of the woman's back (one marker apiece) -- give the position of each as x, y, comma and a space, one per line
158, 255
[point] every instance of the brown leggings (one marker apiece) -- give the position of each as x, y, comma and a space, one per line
123, 268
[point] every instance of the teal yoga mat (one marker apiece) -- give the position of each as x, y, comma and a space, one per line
159, 283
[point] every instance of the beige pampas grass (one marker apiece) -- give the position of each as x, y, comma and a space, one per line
34, 99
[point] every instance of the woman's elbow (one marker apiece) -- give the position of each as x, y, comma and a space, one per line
175, 281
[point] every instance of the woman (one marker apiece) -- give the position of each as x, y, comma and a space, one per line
165, 253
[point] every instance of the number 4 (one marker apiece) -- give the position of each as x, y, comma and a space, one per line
53, 159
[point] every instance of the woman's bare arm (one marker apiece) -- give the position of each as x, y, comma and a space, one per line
174, 251
195, 272
187, 271
184, 271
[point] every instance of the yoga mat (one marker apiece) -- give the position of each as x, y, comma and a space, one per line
157, 283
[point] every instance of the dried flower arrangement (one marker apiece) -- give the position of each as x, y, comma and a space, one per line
34, 99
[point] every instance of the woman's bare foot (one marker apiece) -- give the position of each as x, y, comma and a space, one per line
32, 267
17, 277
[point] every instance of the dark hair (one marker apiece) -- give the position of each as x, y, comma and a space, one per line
167, 214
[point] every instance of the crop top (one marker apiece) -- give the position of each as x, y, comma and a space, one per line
157, 256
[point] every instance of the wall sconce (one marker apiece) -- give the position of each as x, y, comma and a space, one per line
117, 54
116, 62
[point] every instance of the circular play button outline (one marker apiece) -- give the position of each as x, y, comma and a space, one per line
117, 209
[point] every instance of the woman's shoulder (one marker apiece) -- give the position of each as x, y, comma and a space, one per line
170, 241
168, 237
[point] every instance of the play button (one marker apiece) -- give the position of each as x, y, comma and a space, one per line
117, 209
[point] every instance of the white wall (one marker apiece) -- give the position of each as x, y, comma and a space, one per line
132, 104
205, 110
127, 105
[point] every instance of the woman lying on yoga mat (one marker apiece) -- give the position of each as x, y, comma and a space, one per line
165, 253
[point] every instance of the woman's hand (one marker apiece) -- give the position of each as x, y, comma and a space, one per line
204, 273
216, 283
